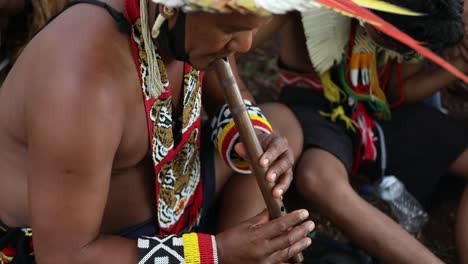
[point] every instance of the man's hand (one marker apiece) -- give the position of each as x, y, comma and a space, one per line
278, 157
259, 240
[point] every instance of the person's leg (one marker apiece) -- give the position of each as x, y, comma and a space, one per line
323, 182
461, 229
241, 198
460, 168
423, 145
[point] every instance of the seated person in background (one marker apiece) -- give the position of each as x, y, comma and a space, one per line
339, 107
103, 157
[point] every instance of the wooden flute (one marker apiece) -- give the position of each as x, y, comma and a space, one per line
248, 136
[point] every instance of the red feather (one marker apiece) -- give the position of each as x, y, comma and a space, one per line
349, 8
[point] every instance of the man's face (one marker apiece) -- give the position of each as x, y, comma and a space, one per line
9, 8
210, 37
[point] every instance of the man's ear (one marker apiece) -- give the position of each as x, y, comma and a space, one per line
170, 14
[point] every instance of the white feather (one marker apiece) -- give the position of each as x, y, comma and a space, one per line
327, 34
170, 3
273, 6
283, 6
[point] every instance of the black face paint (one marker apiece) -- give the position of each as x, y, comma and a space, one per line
173, 41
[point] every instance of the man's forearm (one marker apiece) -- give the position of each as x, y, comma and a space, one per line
425, 83
190, 247
104, 249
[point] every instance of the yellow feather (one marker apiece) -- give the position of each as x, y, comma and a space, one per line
386, 7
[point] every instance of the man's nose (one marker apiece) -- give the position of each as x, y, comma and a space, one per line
241, 43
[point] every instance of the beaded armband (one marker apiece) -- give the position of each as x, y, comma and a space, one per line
191, 248
225, 135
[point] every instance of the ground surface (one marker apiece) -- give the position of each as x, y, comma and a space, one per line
258, 69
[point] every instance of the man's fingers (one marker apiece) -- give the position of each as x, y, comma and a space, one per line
291, 251
284, 163
281, 225
265, 140
292, 237
239, 148
274, 147
283, 184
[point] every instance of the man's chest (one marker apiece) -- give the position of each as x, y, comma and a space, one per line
135, 144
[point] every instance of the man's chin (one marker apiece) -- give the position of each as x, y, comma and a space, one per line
203, 65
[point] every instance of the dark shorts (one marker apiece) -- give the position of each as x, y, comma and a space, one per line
421, 141
208, 174
319, 131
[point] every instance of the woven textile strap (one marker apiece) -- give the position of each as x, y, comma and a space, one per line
191, 248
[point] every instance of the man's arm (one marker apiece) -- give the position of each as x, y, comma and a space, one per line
75, 116
75, 122
419, 82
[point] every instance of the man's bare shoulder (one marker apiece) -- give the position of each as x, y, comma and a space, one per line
81, 46
80, 55
80, 59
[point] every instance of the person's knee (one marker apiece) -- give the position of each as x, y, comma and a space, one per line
285, 123
320, 178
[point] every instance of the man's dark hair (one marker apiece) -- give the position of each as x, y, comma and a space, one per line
441, 27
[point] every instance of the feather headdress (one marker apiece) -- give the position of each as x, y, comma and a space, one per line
258, 7
349, 8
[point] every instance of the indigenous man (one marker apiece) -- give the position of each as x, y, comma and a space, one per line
78, 172
339, 106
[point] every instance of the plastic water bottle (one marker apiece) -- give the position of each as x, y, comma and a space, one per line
408, 211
